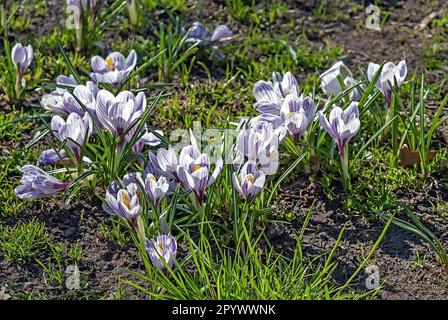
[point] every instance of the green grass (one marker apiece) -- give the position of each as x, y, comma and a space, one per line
13, 155
23, 241
212, 271
114, 234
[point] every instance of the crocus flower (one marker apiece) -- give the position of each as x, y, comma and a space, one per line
391, 74
147, 138
199, 33
250, 181
118, 114
163, 249
51, 156
194, 171
86, 94
133, 177
112, 189
330, 81
168, 162
342, 125
354, 95
124, 203
153, 166
297, 114
114, 70
220, 34
74, 131
270, 95
64, 81
22, 57
54, 101
156, 188
36, 183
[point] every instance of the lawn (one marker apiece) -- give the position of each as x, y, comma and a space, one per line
223, 149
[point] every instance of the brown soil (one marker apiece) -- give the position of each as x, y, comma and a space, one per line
401, 276
103, 266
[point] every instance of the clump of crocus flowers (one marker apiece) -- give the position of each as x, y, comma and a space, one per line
82, 112
283, 107
258, 141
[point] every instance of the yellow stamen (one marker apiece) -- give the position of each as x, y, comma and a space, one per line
250, 178
110, 64
152, 178
160, 245
126, 200
196, 167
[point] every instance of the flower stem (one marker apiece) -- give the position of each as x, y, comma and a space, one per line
18, 87
2, 15
389, 114
79, 37
344, 162
116, 161
140, 230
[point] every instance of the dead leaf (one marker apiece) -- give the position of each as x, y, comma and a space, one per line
410, 158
